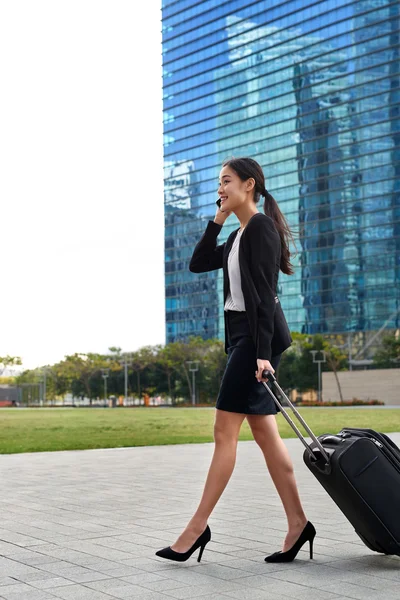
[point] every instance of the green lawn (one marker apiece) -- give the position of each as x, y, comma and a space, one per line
48, 429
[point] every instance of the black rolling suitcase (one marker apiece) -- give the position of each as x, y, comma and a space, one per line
360, 470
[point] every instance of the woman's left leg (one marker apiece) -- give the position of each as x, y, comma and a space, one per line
280, 466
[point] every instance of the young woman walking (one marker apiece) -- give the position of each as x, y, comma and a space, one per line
256, 335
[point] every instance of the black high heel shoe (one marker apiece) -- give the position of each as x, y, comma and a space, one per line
307, 535
182, 556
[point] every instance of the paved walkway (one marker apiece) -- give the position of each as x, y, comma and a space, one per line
85, 525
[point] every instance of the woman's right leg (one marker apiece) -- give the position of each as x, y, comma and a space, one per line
226, 432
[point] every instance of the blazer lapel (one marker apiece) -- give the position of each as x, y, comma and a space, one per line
227, 249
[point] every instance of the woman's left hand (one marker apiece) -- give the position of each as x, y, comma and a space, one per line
261, 365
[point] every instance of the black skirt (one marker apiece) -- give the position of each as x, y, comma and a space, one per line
240, 391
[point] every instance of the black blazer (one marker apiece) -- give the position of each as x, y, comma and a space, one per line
259, 260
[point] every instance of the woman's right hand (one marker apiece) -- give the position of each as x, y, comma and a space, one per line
221, 216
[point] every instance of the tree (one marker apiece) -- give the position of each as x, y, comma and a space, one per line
9, 361
297, 370
180, 352
143, 358
336, 359
79, 369
165, 362
388, 355
214, 361
286, 372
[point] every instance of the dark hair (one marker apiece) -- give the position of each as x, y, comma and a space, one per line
246, 168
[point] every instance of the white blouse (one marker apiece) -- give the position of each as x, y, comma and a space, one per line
235, 300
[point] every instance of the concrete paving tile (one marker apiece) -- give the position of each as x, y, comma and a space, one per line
78, 592
86, 577
37, 575
53, 582
242, 565
119, 571
8, 549
358, 592
7, 581
216, 558
100, 551
221, 571
297, 591
115, 587
247, 554
46, 549
68, 555
11, 568
24, 592
163, 584
255, 594
15, 587
149, 564
64, 569
31, 595
17, 540
143, 578
148, 595
254, 581
369, 581
214, 596
302, 577
221, 587
192, 576
33, 559
375, 565
98, 564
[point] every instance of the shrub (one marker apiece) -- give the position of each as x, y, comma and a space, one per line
353, 402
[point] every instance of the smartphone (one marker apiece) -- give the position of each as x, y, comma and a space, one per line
218, 203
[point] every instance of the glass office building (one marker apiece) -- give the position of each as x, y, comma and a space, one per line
311, 91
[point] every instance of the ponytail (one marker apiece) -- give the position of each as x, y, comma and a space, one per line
271, 209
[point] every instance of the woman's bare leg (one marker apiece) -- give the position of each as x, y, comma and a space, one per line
226, 432
280, 466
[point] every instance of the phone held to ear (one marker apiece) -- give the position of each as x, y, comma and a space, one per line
218, 203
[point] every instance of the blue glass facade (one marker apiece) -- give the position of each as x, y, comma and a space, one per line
311, 91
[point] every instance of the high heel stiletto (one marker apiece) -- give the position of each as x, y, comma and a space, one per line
201, 541
307, 535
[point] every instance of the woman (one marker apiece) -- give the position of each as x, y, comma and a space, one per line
256, 334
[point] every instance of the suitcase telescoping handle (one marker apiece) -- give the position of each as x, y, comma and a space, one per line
271, 377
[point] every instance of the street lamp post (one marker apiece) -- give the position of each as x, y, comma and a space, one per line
105, 373
125, 362
42, 380
39, 391
44, 385
193, 370
314, 352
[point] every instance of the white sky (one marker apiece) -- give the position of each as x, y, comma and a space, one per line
81, 185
